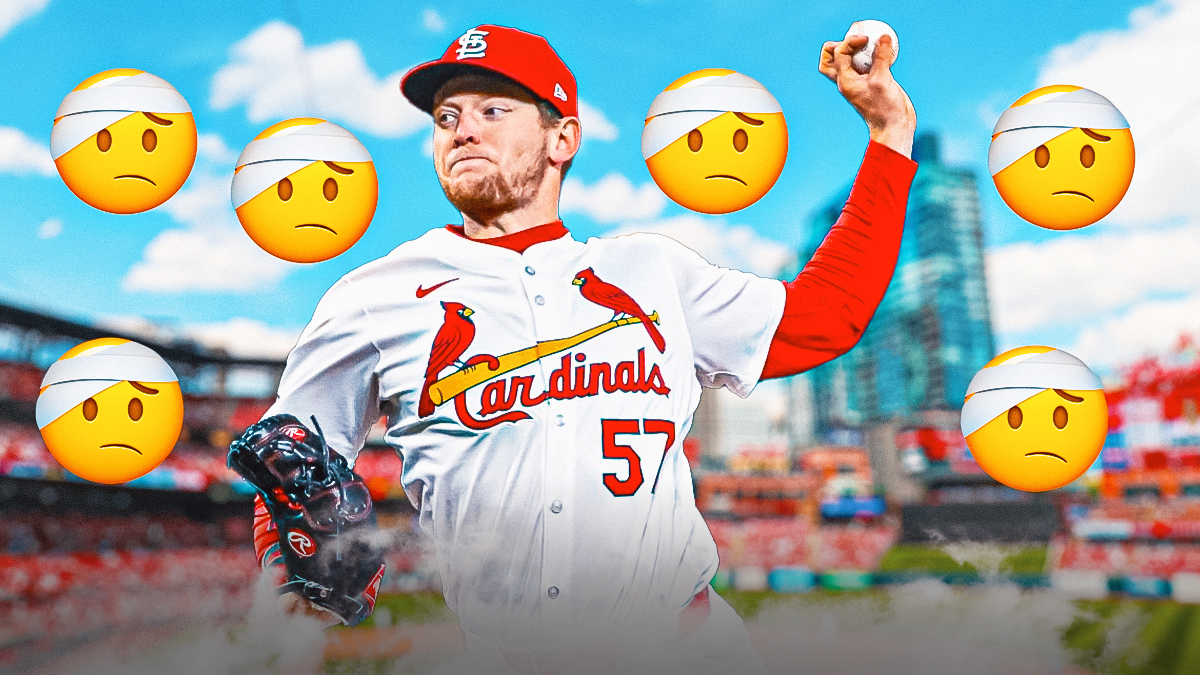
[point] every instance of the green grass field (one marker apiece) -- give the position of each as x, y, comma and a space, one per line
1167, 638
1119, 636
1016, 560
1113, 637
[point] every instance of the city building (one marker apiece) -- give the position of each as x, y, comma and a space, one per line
931, 333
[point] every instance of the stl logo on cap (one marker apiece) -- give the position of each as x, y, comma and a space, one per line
305, 190
1062, 157
110, 410
715, 141
524, 58
472, 44
124, 141
1035, 418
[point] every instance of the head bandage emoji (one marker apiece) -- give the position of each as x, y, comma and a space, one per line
85, 112
72, 381
1023, 128
124, 141
715, 141
305, 190
265, 161
1035, 418
994, 390
1062, 157
675, 112
110, 410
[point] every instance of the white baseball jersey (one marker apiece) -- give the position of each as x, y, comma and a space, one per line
549, 468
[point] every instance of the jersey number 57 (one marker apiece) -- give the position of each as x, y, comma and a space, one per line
614, 450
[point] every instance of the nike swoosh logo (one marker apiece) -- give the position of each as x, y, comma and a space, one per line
422, 292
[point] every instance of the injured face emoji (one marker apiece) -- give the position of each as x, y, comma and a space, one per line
1062, 157
124, 141
715, 141
305, 190
1035, 418
110, 410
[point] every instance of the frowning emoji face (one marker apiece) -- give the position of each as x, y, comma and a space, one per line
1035, 438
105, 429
1060, 172
715, 141
124, 141
305, 190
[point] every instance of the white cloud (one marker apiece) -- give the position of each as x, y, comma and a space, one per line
734, 246
276, 76
1126, 286
13, 12
211, 147
140, 327
204, 202
1148, 328
210, 252
245, 338
50, 228
190, 260
1154, 89
595, 124
239, 337
21, 154
432, 21
612, 199
1079, 277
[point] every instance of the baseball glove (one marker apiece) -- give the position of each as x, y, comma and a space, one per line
321, 512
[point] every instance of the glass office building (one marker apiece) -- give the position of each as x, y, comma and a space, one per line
933, 331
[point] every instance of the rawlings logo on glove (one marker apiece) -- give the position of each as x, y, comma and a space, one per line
331, 555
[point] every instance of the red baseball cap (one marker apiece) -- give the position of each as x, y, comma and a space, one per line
525, 58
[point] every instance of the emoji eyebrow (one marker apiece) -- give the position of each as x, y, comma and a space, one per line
147, 390
340, 169
748, 119
157, 120
1100, 137
1069, 397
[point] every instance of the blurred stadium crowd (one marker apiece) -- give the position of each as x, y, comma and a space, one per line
80, 561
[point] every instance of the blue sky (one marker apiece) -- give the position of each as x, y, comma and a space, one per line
1120, 287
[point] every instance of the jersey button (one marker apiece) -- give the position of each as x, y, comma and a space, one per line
556, 506
539, 300
552, 592
529, 270
558, 419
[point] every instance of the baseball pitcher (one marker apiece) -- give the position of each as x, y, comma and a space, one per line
539, 388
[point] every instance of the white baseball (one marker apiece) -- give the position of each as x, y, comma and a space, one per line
863, 58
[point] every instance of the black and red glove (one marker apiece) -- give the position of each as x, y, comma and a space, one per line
315, 528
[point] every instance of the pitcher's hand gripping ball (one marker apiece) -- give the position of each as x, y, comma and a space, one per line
863, 58
1035, 418
1062, 157
110, 410
305, 190
322, 511
124, 141
715, 141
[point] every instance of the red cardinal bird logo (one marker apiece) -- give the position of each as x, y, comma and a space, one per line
607, 295
451, 341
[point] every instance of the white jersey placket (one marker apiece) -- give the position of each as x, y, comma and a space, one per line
540, 273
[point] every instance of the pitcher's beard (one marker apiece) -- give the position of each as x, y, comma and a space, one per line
494, 195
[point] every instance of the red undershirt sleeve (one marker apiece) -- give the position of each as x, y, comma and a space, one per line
829, 304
